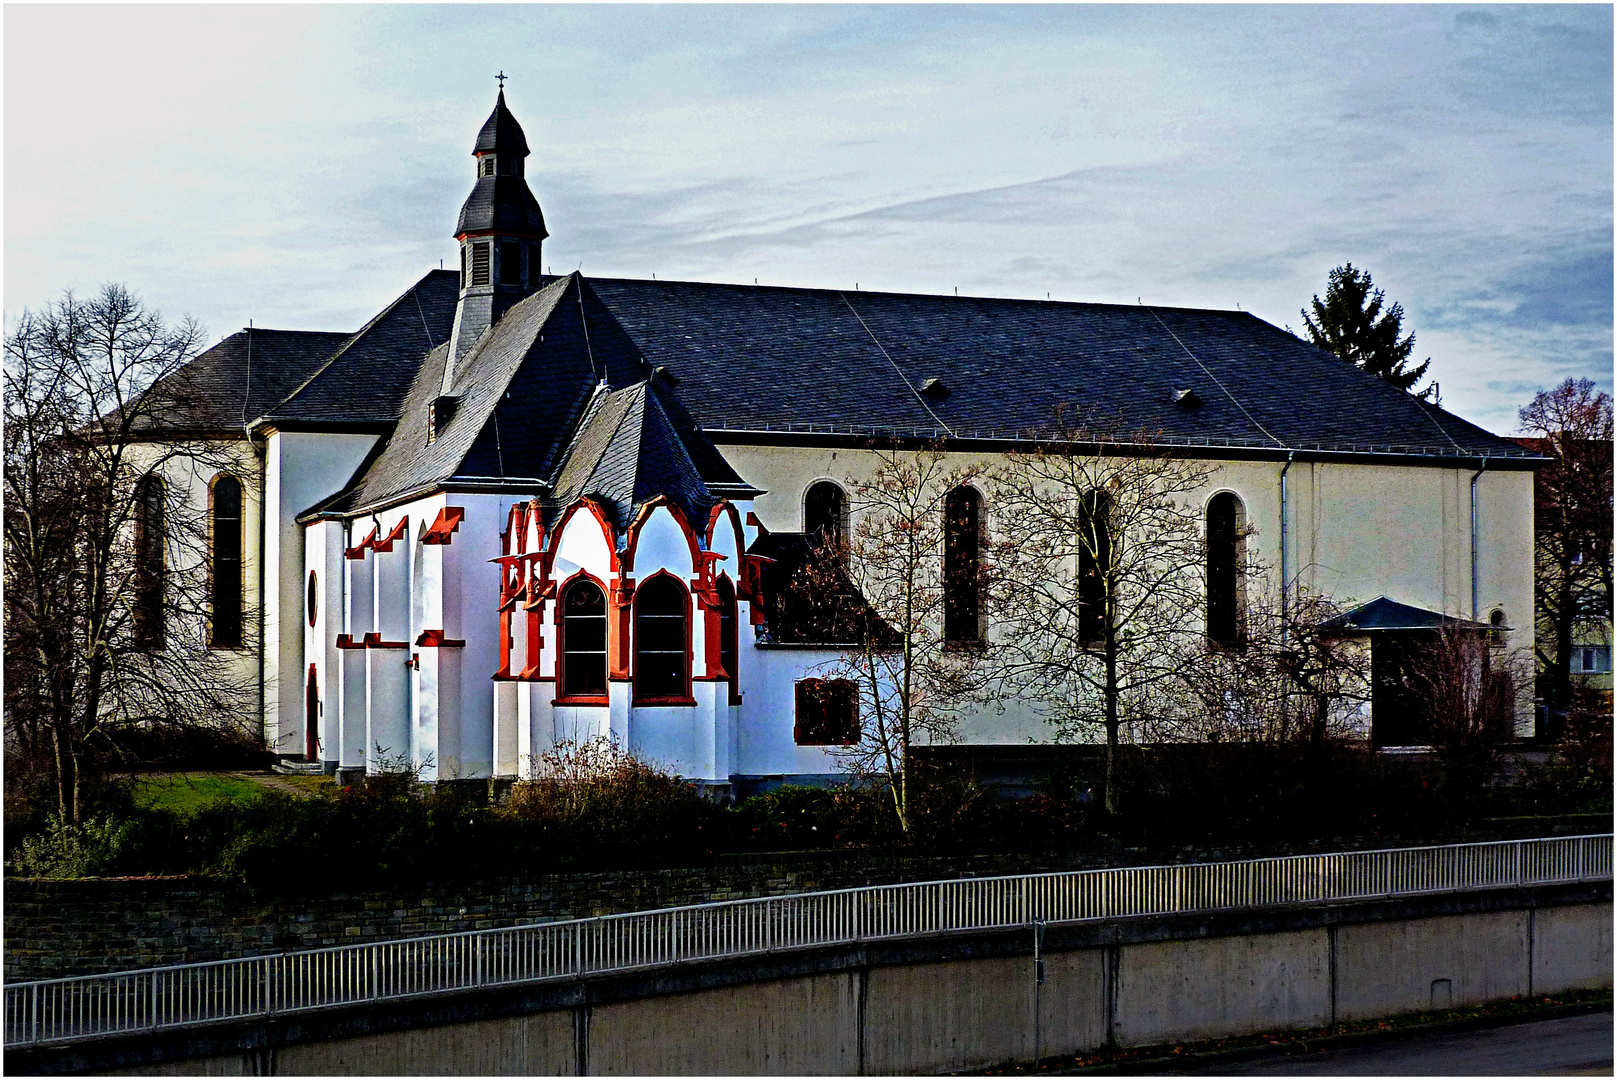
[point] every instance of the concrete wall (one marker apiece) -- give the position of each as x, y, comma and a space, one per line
888, 1010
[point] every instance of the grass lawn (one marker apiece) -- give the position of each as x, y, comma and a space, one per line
186, 793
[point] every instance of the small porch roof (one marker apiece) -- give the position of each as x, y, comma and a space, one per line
1382, 615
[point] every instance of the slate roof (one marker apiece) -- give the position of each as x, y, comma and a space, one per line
630, 447
365, 381
780, 359
521, 399
229, 385
501, 133
1383, 614
501, 204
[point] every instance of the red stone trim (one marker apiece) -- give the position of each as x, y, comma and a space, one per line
385, 544
358, 550
444, 525
434, 639
374, 641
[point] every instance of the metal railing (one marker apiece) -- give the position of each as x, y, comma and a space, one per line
95, 1006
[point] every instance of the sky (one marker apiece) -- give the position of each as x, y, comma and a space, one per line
300, 166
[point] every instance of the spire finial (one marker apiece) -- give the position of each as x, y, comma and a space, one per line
500, 78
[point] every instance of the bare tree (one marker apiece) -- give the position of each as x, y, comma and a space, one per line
105, 555
1572, 515
1469, 690
906, 597
1104, 567
1286, 680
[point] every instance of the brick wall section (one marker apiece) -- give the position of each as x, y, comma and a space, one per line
78, 927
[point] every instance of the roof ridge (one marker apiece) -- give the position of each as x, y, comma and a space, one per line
832, 291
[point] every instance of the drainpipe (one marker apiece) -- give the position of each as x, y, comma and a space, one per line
1285, 578
1481, 465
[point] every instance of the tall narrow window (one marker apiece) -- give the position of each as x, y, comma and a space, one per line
1224, 569
583, 640
962, 569
480, 263
728, 653
150, 625
1094, 565
226, 569
661, 669
824, 512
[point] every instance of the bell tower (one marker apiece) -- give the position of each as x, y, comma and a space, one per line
500, 231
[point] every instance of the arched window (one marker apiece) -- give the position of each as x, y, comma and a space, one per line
583, 640
825, 512
225, 576
1224, 569
962, 568
313, 604
1094, 565
661, 644
728, 653
150, 624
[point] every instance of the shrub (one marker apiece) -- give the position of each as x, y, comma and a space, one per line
594, 798
793, 816
62, 850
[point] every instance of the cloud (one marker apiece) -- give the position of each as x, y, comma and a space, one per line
301, 166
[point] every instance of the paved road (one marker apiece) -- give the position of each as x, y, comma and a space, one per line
1570, 1046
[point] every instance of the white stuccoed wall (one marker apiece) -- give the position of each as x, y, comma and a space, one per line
301, 468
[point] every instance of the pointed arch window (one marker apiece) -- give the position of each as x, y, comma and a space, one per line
962, 566
825, 510
225, 579
583, 640
1094, 565
662, 668
729, 654
150, 621
1224, 518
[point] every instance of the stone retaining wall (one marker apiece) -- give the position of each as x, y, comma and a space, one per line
56, 928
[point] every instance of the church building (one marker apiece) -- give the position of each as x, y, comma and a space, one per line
514, 509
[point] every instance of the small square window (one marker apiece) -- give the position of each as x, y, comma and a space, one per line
827, 713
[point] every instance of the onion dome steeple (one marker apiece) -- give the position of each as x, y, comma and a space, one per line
500, 230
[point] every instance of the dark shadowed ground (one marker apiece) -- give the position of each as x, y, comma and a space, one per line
1567, 1046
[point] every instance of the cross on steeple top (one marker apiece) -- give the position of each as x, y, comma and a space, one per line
501, 77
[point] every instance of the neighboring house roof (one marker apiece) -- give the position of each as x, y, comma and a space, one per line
1382, 614
750, 358
228, 386
365, 382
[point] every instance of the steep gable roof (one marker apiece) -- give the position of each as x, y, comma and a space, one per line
515, 398
631, 447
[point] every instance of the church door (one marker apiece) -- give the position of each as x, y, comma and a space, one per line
311, 717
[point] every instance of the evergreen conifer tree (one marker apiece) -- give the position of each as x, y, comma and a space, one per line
1351, 323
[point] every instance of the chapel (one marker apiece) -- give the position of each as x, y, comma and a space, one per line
515, 509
